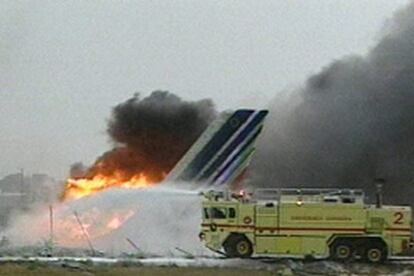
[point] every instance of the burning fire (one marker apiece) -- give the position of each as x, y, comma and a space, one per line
94, 222
78, 188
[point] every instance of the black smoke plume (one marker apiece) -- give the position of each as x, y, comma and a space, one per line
351, 123
77, 170
151, 134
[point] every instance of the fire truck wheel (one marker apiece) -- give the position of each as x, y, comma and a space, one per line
375, 253
342, 251
238, 246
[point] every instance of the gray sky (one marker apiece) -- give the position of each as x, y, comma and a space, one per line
64, 64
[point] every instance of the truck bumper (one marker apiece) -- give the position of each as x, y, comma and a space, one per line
210, 240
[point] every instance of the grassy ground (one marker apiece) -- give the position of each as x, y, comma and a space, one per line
40, 270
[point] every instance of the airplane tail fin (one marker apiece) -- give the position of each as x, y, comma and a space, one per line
223, 152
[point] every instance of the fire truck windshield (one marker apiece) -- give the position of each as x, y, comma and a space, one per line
219, 213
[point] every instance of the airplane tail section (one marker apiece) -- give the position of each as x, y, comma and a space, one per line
223, 152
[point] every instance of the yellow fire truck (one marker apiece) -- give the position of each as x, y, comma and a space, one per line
318, 223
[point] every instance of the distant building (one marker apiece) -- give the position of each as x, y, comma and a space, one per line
19, 193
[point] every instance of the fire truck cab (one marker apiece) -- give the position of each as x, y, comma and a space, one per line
317, 223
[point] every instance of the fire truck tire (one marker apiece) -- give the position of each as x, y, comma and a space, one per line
342, 251
238, 246
375, 253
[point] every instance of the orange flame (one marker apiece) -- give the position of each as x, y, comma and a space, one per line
95, 223
117, 221
78, 188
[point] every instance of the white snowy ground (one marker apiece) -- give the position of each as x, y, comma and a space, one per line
399, 266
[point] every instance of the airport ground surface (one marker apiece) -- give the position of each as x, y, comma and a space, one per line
38, 270
196, 266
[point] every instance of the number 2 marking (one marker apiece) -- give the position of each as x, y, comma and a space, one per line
398, 218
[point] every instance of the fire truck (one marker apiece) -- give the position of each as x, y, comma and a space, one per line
305, 223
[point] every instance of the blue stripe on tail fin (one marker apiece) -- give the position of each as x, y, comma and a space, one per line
236, 145
214, 145
223, 151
